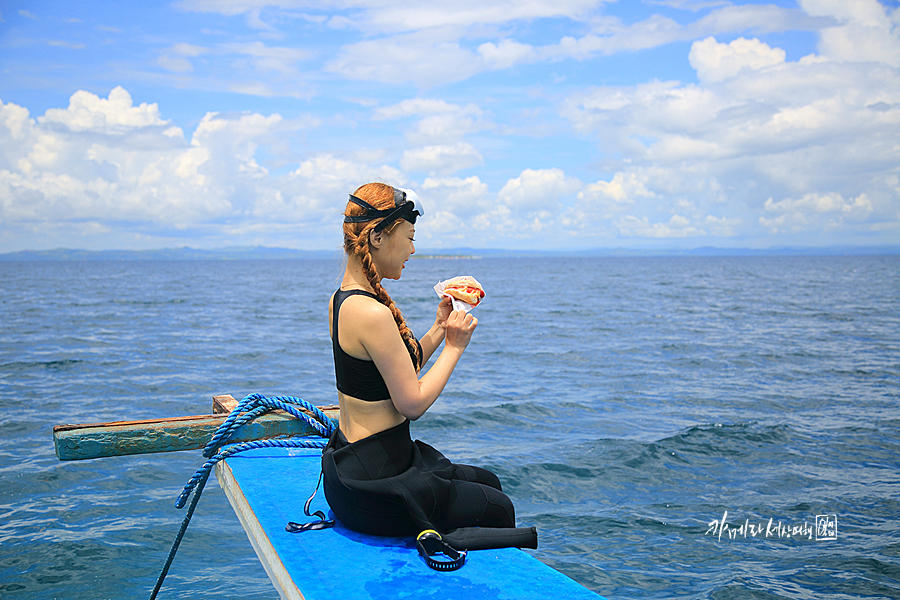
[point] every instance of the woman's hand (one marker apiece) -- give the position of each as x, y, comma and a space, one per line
458, 329
445, 307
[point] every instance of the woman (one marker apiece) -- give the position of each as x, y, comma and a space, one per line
377, 480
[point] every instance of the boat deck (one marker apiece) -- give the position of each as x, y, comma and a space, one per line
268, 487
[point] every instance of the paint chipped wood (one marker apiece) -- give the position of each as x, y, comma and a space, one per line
120, 438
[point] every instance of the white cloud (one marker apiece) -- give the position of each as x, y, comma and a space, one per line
452, 205
175, 64
438, 43
252, 68
867, 13
258, 56
864, 31
735, 152
106, 161
676, 227
317, 189
438, 120
411, 15
820, 211
175, 59
115, 114
721, 226
616, 194
538, 190
756, 127
505, 54
441, 159
716, 62
422, 58
456, 195
417, 107
434, 46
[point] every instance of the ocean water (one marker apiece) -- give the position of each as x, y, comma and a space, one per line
674, 427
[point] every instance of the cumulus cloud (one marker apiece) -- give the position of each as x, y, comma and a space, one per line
864, 32
826, 211
677, 226
757, 127
715, 62
614, 195
106, 164
756, 145
461, 196
538, 190
115, 114
436, 134
453, 203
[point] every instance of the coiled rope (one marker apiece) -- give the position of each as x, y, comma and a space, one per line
247, 409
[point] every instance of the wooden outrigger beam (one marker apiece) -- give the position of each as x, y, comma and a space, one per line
120, 438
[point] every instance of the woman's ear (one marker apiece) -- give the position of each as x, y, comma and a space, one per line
375, 238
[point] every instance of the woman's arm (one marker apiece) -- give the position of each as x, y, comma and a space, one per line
432, 340
411, 395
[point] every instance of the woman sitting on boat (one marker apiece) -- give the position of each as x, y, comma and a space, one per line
377, 480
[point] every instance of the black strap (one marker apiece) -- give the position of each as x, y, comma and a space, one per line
322, 523
429, 542
371, 213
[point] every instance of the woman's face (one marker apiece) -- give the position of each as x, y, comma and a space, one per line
396, 248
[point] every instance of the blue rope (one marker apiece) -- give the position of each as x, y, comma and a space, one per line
208, 465
255, 405
247, 409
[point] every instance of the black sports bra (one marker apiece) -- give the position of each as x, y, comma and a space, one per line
355, 376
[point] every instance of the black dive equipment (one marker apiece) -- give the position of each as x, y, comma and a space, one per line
406, 205
429, 543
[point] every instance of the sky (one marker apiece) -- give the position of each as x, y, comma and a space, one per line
540, 124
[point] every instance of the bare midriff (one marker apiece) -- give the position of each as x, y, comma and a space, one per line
361, 418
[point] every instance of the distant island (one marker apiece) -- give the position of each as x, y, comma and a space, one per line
267, 253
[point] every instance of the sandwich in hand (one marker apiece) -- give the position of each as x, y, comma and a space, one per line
464, 288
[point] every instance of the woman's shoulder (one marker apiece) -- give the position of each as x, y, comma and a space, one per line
367, 308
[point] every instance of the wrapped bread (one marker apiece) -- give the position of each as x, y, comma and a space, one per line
465, 291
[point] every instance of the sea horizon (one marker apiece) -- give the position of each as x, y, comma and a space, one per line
281, 253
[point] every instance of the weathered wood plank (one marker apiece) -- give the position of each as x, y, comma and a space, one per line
120, 438
224, 403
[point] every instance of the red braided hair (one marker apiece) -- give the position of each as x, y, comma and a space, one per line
356, 243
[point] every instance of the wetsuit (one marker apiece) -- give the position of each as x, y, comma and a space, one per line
388, 484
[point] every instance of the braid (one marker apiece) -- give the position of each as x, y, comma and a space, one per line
362, 250
358, 243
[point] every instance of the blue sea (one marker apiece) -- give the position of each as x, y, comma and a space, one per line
693, 427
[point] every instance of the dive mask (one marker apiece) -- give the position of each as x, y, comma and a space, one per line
406, 205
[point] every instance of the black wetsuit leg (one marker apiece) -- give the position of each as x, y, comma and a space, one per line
480, 516
478, 505
476, 475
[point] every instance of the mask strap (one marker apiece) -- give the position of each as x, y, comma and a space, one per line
371, 214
